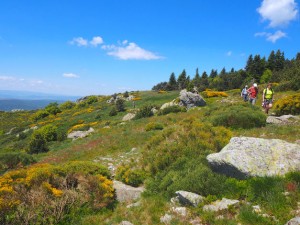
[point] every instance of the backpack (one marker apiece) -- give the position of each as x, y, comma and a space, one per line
270, 90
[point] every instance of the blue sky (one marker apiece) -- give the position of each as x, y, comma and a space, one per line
108, 46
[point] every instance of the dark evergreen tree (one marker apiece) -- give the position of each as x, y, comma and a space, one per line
182, 80
197, 79
213, 73
249, 65
172, 82
279, 61
204, 82
271, 61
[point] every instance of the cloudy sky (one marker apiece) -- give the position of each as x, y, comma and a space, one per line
106, 46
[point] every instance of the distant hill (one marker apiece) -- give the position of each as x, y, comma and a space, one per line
27, 100
13, 104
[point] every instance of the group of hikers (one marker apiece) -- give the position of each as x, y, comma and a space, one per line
250, 94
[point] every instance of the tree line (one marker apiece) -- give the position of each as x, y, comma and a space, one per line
276, 68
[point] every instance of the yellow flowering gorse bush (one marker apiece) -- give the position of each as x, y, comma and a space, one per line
210, 94
39, 192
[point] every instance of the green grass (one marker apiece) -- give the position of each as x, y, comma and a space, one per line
184, 172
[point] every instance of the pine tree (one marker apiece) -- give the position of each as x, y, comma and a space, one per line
197, 79
213, 73
172, 82
271, 61
182, 80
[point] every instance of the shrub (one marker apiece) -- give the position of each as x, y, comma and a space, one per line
91, 99
209, 94
126, 94
238, 116
52, 108
162, 92
176, 158
67, 105
113, 112
79, 127
12, 160
172, 109
37, 143
145, 111
288, 105
46, 194
130, 176
120, 105
49, 132
154, 126
40, 114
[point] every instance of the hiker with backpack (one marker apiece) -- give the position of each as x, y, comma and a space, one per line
244, 93
268, 98
252, 91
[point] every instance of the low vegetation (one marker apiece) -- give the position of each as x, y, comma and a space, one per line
49, 179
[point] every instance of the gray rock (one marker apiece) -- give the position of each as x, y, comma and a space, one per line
281, 119
136, 204
189, 198
126, 193
246, 157
294, 221
166, 219
128, 117
189, 99
220, 205
168, 104
80, 134
125, 223
181, 211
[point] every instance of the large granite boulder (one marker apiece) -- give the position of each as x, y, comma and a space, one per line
294, 221
220, 205
247, 156
285, 119
126, 193
189, 198
80, 134
189, 99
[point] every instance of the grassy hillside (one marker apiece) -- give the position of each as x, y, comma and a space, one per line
170, 155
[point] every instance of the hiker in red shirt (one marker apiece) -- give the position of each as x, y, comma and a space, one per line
252, 91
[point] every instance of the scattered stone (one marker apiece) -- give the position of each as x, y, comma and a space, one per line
154, 111
136, 204
182, 211
285, 119
106, 127
189, 99
294, 221
168, 104
166, 219
256, 209
125, 223
128, 117
126, 193
220, 205
175, 200
80, 134
246, 157
189, 198
196, 221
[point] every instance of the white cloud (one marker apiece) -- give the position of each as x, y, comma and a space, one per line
229, 53
79, 41
271, 37
70, 75
7, 78
96, 41
278, 12
130, 50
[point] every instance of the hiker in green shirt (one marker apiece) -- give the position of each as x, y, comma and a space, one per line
268, 98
